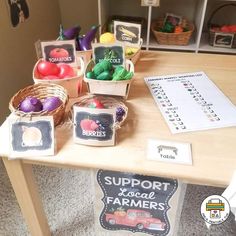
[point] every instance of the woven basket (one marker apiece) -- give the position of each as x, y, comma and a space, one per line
213, 33
41, 91
172, 38
108, 102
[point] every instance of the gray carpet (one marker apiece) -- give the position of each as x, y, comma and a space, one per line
68, 202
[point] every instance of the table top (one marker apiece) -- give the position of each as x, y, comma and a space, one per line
213, 151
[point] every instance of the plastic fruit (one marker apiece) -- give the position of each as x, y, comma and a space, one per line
65, 71
72, 32
95, 103
30, 104
51, 103
46, 68
107, 38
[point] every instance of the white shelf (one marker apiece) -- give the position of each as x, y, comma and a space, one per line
205, 47
197, 11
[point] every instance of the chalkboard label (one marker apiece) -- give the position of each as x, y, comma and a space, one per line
128, 33
59, 51
136, 203
94, 126
31, 137
115, 53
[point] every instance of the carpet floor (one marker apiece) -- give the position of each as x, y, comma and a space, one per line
68, 201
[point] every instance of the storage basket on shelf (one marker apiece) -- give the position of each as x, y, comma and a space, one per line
109, 87
73, 85
221, 35
41, 92
180, 38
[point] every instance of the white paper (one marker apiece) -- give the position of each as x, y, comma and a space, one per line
168, 151
191, 102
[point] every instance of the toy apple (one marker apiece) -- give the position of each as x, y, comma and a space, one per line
65, 71
95, 103
46, 68
58, 53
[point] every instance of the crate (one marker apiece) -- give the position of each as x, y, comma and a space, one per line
73, 85
109, 87
180, 39
228, 40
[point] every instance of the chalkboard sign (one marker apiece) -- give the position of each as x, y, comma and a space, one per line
115, 53
29, 137
138, 203
94, 126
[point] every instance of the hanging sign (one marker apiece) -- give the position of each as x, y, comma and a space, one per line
128, 33
138, 203
94, 126
115, 53
59, 51
31, 137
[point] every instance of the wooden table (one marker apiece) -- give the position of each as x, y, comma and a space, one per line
213, 151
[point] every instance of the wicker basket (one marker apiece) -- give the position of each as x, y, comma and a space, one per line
108, 102
41, 91
180, 39
213, 33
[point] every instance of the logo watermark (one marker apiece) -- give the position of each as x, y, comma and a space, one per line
215, 209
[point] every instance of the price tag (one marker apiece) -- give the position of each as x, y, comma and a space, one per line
60, 51
94, 126
153, 3
115, 53
31, 137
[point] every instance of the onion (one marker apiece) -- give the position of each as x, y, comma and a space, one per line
31, 104
51, 103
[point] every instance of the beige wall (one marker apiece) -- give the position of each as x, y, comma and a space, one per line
17, 46
79, 12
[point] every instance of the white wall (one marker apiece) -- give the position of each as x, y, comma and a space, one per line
17, 46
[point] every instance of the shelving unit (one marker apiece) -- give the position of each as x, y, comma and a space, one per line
196, 11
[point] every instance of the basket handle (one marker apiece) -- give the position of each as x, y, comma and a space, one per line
129, 65
216, 10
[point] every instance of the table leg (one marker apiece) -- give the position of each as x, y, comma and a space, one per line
23, 183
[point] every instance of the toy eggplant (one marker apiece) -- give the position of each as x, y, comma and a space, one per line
72, 32
86, 41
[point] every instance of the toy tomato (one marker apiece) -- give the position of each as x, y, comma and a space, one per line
65, 71
178, 29
46, 68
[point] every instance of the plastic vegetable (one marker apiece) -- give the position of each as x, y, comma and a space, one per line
66, 71
51, 103
105, 75
30, 104
95, 103
90, 75
122, 74
86, 41
178, 29
72, 32
46, 68
107, 38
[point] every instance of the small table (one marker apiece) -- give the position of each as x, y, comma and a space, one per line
212, 150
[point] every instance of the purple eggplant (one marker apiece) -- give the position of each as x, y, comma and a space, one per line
86, 41
72, 33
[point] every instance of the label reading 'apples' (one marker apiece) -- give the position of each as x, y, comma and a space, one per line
94, 126
59, 51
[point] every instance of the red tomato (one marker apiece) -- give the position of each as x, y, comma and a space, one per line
66, 71
59, 53
46, 68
